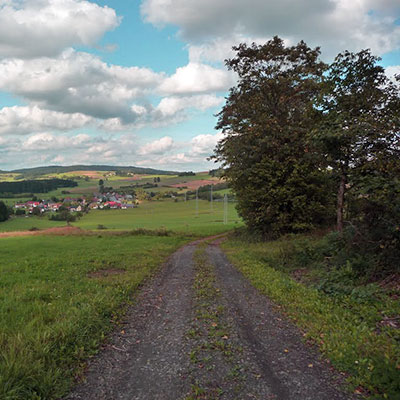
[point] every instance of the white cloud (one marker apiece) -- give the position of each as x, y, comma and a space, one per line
25, 120
336, 25
77, 82
204, 145
58, 160
35, 28
45, 148
392, 71
48, 141
168, 161
170, 106
220, 48
196, 78
159, 146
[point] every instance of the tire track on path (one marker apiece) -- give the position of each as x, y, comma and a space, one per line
291, 369
198, 323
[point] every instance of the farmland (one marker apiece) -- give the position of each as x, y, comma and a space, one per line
62, 293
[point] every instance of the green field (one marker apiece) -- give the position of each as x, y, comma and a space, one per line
54, 312
23, 223
176, 216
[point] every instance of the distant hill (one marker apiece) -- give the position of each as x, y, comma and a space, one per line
56, 169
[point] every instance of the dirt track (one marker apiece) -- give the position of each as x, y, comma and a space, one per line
199, 330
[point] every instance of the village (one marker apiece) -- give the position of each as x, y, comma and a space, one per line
99, 201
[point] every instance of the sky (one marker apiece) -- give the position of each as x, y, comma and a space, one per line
130, 82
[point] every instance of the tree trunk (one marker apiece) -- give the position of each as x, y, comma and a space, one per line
340, 203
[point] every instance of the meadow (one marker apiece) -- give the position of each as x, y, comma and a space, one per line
176, 216
59, 296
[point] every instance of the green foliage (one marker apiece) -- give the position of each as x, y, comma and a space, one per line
4, 212
63, 215
36, 186
341, 316
296, 138
280, 182
359, 135
188, 173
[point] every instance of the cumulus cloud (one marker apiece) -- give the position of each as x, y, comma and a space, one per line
47, 141
25, 120
35, 28
48, 147
196, 78
168, 161
159, 146
171, 106
334, 24
77, 82
121, 149
204, 145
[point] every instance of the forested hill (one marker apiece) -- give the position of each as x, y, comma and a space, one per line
56, 169
35, 186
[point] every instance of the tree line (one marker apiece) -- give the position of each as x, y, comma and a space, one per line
309, 144
35, 186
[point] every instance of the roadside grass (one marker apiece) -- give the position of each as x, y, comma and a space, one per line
59, 297
349, 327
176, 216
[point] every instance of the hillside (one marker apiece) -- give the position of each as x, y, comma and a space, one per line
56, 169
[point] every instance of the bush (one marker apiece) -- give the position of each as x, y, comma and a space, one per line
4, 212
63, 216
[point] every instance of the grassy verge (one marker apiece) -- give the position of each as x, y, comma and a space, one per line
347, 326
59, 296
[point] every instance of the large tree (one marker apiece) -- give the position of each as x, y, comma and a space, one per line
280, 182
360, 129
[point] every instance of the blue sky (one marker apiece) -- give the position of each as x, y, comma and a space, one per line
139, 82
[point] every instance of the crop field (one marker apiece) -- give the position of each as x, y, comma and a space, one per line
88, 183
8, 177
59, 296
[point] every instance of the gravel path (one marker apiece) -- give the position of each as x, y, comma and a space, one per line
199, 330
